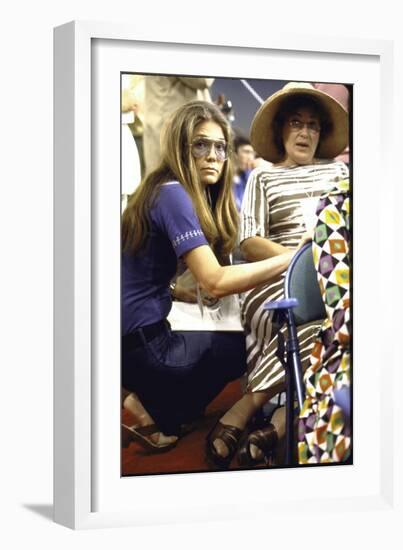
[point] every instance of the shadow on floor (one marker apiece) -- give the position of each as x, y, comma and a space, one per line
44, 510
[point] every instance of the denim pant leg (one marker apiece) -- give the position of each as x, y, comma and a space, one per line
178, 374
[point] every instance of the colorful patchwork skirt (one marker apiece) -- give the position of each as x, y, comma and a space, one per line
324, 429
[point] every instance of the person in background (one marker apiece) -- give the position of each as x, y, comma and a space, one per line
163, 95
244, 162
130, 159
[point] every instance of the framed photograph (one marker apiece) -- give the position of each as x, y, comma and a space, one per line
94, 480
277, 206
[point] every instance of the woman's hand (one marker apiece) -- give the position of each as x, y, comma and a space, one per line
186, 291
185, 288
183, 294
306, 238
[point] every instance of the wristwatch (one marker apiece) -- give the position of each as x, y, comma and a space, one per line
172, 287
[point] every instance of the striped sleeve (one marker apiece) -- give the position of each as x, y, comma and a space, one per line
345, 171
255, 208
342, 171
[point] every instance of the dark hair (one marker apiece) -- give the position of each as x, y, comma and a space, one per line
240, 141
289, 106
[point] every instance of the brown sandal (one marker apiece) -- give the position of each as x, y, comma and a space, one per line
265, 440
141, 434
230, 436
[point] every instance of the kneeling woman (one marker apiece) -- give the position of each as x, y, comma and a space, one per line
182, 210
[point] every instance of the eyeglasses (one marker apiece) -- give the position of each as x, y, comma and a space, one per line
296, 125
201, 147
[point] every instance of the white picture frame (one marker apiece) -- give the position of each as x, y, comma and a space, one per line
88, 490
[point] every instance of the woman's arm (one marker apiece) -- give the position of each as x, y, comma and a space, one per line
259, 248
255, 229
221, 281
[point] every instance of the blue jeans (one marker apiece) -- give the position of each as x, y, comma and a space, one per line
177, 374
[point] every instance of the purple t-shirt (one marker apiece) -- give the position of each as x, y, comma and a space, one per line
174, 230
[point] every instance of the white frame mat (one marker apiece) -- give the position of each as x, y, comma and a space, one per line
88, 489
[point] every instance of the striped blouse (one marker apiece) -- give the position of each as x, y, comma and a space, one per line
273, 203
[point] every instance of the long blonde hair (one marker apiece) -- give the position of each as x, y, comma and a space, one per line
216, 212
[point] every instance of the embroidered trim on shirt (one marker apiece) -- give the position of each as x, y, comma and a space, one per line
186, 236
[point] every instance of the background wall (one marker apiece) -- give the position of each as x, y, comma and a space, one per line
244, 103
26, 253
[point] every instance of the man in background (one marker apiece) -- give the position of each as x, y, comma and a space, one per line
244, 162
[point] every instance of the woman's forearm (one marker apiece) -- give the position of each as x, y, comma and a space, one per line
242, 277
260, 248
221, 281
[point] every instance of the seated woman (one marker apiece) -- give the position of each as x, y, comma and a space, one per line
324, 431
185, 210
299, 130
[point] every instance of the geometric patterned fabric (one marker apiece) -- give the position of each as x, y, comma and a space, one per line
324, 427
273, 208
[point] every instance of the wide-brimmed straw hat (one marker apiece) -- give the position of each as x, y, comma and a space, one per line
262, 132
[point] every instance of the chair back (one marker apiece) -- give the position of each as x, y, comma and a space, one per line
301, 282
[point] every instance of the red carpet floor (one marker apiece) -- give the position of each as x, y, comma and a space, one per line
189, 454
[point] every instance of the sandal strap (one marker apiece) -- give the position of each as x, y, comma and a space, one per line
229, 435
151, 429
265, 439
141, 435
